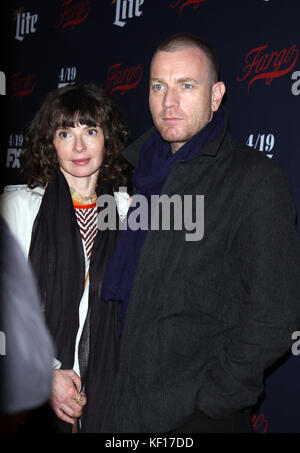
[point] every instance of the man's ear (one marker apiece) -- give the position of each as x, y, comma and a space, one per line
217, 93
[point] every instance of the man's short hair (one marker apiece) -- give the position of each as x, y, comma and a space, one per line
183, 41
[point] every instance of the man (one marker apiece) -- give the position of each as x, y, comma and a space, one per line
206, 317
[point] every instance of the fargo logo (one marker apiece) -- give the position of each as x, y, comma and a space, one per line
123, 79
22, 85
260, 64
26, 23
73, 14
184, 3
126, 9
260, 423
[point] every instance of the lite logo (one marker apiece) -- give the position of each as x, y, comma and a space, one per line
2, 83
123, 79
268, 66
126, 9
184, 3
26, 24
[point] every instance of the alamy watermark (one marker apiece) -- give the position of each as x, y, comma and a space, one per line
160, 212
2, 83
296, 345
2, 343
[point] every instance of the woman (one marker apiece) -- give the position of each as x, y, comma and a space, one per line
71, 157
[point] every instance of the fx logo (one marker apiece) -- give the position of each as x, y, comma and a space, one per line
2, 83
12, 159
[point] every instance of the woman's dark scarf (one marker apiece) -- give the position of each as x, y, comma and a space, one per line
57, 257
155, 162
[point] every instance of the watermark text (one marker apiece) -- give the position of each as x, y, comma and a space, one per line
2, 343
160, 212
2, 83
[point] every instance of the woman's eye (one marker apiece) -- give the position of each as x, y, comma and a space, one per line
63, 134
92, 132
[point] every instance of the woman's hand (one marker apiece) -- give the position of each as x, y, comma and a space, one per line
65, 391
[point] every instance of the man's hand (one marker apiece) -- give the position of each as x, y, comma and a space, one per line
65, 390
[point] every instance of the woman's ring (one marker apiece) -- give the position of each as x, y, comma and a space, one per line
79, 399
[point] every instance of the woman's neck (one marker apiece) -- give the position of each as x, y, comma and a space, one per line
85, 186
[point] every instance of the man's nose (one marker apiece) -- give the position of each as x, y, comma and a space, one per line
170, 98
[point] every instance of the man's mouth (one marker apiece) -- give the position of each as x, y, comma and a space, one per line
171, 119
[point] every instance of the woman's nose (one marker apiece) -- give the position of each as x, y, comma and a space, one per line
79, 144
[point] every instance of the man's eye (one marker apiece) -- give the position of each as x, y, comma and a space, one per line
187, 86
157, 87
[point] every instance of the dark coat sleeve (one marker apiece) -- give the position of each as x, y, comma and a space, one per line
268, 252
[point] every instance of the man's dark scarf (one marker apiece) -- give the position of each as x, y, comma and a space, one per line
57, 257
155, 162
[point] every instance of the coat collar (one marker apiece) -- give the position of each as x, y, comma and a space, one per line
131, 153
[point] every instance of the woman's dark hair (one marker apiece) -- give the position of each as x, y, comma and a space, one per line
84, 104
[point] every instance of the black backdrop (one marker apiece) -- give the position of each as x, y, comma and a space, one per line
110, 42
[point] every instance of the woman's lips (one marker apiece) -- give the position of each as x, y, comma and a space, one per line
80, 161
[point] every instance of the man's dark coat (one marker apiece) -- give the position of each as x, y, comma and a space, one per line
207, 318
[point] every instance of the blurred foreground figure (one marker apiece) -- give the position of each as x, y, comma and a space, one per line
26, 347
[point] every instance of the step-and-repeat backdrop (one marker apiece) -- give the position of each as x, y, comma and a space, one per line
52, 43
